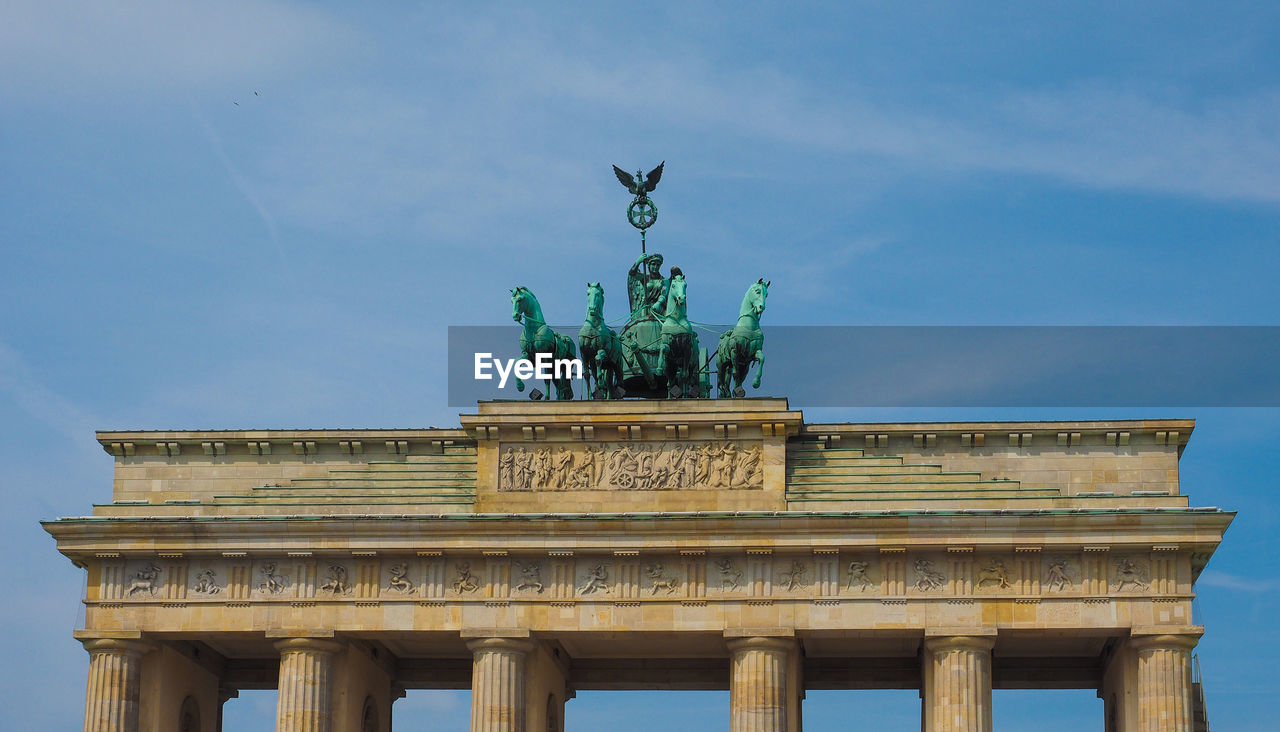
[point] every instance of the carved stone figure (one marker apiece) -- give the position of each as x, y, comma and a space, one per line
641, 466
928, 578
465, 581
206, 583
1131, 575
994, 573
1056, 578
794, 577
530, 576
272, 583
597, 580
661, 581
336, 582
858, 575
144, 580
730, 575
400, 578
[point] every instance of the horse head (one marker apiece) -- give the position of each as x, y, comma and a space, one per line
754, 302
595, 300
677, 300
520, 303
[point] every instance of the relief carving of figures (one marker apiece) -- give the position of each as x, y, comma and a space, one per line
730, 575
272, 583
530, 576
465, 581
794, 577
336, 582
928, 578
206, 583
597, 580
858, 575
1129, 574
661, 581
144, 580
400, 578
1056, 578
994, 573
631, 466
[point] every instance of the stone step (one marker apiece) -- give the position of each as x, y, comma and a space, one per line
852, 460
399, 467
794, 448
917, 492
396, 489
389, 479
807, 470
835, 480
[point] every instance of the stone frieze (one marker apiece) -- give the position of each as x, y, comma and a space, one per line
631, 466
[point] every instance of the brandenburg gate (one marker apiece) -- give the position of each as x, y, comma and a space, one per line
664, 541
543, 547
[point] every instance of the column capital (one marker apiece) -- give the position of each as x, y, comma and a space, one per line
123, 646
967, 639
308, 645
1175, 638
761, 643
501, 644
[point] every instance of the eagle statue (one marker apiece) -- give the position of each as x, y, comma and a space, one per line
639, 185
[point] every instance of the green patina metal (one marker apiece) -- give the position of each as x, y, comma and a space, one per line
657, 353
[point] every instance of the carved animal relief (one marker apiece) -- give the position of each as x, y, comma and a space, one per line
336, 580
730, 576
465, 581
629, 466
399, 578
794, 577
530, 576
928, 578
206, 583
1056, 576
661, 581
1130, 575
858, 576
272, 582
144, 581
597, 580
994, 574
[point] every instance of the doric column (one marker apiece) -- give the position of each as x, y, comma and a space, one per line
115, 673
957, 683
304, 699
1164, 681
758, 694
497, 684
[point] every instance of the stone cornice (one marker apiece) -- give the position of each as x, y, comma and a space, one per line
1191, 529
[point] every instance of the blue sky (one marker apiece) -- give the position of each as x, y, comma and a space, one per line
265, 215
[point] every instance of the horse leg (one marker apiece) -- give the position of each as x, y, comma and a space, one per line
759, 358
724, 367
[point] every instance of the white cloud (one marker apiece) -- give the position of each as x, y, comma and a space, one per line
1226, 581
54, 48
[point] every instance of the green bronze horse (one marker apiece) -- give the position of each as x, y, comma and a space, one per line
538, 337
601, 349
678, 349
743, 345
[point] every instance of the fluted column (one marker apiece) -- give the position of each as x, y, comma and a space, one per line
305, 697
1164, 681
758, 698
497, 684
115, 674
957, 683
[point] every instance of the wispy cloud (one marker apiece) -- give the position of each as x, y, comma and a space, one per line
1227, 581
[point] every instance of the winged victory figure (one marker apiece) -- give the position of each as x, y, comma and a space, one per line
644, 185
